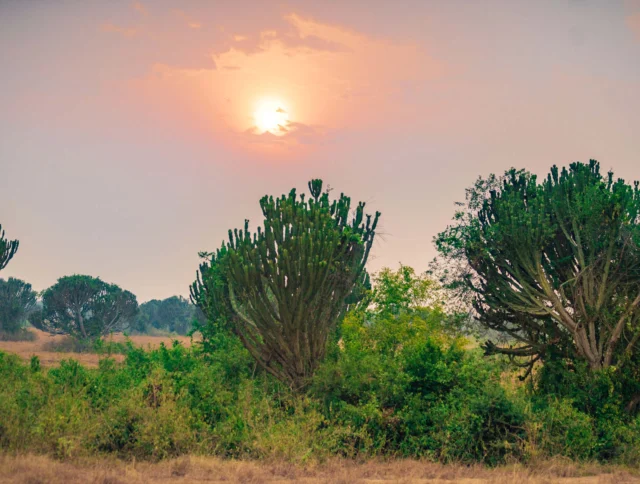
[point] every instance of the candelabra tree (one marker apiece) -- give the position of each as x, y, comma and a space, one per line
283, 288
555, 265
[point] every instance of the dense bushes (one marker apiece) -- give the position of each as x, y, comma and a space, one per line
395, 384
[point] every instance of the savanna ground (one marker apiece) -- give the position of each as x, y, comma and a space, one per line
34, 469
40, 347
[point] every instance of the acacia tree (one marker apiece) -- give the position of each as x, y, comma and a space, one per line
283, 289
85, 307
17, 301
8, 248
554, 265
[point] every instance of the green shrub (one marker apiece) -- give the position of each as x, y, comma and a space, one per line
21, 334
98, 346
558, 428
418, 392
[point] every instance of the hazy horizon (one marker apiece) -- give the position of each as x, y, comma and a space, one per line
135, 134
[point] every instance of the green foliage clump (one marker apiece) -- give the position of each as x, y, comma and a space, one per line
416, 390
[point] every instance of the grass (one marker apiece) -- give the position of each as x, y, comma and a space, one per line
34, 469
51, 349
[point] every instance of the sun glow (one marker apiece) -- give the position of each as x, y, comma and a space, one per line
271, 116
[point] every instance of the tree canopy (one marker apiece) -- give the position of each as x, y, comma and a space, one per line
174, 314
283, 288
17, 301
555, 265
85, 307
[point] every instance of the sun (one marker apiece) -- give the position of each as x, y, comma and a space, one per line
271, 116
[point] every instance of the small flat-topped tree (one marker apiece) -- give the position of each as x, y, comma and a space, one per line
85, 308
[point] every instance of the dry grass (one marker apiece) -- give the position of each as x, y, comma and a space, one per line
26, 349
32, 469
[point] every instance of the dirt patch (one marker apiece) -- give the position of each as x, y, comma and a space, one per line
26, 349
39, 469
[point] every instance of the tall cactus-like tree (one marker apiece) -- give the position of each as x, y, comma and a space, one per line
8, 249
283, 288
554, 265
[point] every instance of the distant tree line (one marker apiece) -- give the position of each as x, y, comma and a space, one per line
84, 307
173, 315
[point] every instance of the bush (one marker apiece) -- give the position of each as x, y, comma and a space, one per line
22, 334
558, 428
69, 344
418, 392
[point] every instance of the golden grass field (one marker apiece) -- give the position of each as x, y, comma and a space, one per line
32, 469
26, 349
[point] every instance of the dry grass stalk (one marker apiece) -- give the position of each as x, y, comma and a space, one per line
33, 469
26, 349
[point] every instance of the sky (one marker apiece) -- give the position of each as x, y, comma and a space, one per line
134, 134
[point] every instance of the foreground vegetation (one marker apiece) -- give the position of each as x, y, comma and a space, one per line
398, 382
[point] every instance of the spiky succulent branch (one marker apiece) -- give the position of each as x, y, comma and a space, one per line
8, 249
283, 288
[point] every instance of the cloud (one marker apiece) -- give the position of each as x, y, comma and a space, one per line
189, 21
633, 22
125, 31
291, 134
288, 35
140, 8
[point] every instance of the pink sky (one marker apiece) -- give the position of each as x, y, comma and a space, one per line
128, 138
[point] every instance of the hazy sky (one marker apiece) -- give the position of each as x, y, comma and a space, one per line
132, 134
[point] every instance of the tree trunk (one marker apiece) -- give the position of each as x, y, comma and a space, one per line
81, 324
